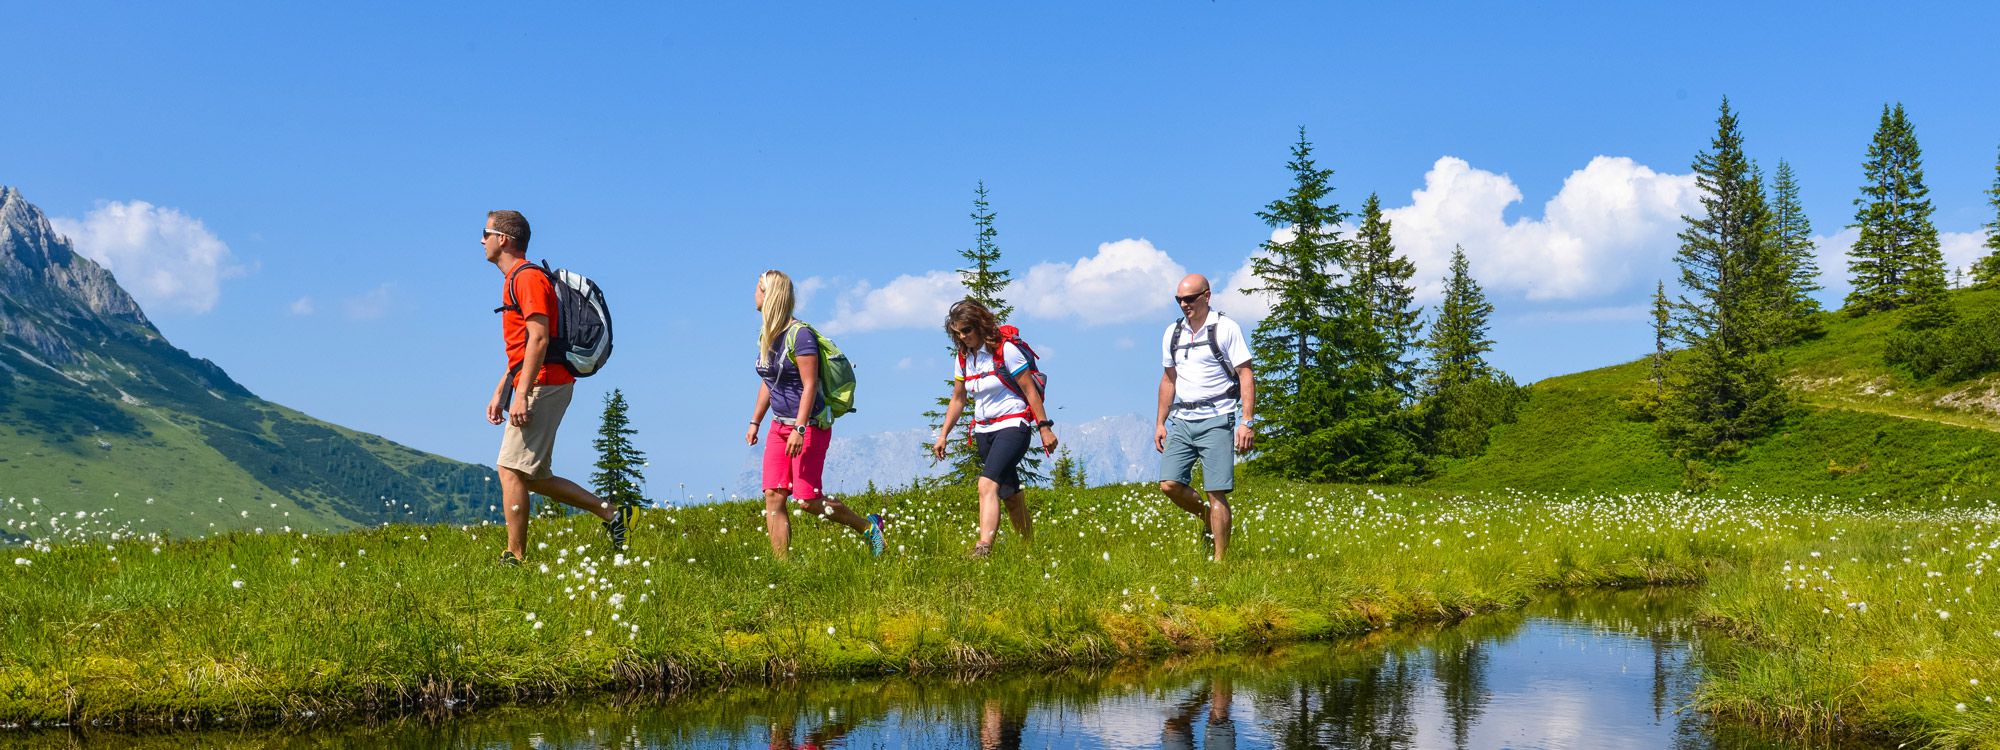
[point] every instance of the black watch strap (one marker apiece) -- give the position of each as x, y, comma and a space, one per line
1046, 423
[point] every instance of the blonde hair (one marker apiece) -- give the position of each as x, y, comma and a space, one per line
777, 310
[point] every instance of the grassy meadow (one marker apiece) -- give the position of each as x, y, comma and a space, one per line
1845, 615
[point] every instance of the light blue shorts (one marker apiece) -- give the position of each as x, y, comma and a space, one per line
1211, 441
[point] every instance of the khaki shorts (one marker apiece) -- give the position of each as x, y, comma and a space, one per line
528, 449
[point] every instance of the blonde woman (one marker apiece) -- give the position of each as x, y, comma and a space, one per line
795, 450
1007, 412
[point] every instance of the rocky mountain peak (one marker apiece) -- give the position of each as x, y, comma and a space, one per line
45, 286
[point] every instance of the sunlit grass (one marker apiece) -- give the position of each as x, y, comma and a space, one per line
1883, 618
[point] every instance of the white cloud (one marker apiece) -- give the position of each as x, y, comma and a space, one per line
1247, 309
805, 291
1961, 249
904, 363
166, 259
905, 302
1611, 218
370, 306
303, 306
1125, 281
1619, 313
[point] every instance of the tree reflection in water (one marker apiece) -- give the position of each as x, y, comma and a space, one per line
1585, 671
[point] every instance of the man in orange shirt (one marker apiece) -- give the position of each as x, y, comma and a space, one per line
541, 390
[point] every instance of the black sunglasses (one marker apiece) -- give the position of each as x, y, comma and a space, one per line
1189, 300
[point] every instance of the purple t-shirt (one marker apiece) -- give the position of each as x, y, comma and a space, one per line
787, 387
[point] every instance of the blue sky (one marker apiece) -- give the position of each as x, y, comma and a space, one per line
294, 192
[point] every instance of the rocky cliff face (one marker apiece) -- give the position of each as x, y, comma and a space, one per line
49, 294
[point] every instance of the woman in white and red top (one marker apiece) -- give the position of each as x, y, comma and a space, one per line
1005, 414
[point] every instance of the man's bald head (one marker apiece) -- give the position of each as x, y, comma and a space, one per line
1192, 295
1194, 284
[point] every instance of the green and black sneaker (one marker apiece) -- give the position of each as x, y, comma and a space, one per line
509, 559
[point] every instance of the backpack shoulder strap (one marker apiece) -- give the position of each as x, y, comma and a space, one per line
792, 339
1000, 365
513, 302
1174, 346
1217, 348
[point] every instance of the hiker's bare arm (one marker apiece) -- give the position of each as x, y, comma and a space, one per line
951, 414
808, 390
757, 415
1160, 418
494, 405
1247, 382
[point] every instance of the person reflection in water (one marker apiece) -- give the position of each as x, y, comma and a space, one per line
827, 735
1177, 733
1000, 725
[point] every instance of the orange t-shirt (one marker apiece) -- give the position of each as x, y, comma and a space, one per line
535, 293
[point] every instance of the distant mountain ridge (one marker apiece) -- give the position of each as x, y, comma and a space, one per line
98, 412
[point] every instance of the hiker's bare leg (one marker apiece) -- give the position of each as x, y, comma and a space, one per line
1017, 512
989, 511
1218, 520
836, 511
778, 523
514, 508
1185, 497
568, 493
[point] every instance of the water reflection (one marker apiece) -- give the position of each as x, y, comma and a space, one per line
1598, 671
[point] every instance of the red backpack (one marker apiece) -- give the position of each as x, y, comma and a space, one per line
1012, 335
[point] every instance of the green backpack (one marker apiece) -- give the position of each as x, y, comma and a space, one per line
836, 376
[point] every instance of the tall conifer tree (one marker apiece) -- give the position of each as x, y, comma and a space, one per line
1458, 342
1896, 262
1662, 335
1722, 391
983, 278
1299, 274
1464, 397
1381, 278
620, 474
1794, 256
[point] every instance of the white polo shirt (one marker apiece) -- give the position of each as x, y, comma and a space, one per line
1197, 374
990, 397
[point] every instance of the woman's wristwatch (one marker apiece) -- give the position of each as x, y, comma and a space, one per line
1045, 423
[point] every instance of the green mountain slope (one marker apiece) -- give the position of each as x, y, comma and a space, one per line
100, 415
1860, 428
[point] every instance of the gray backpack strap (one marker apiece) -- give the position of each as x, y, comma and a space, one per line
1235, 388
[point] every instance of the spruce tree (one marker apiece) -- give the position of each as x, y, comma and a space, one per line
1986, 272
1896, 262
1797, 268
1464, 397
1299, 274
983, 278
1458, 342
1063, 475
620, 471
1722, 390
1662, 335
1389, 316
